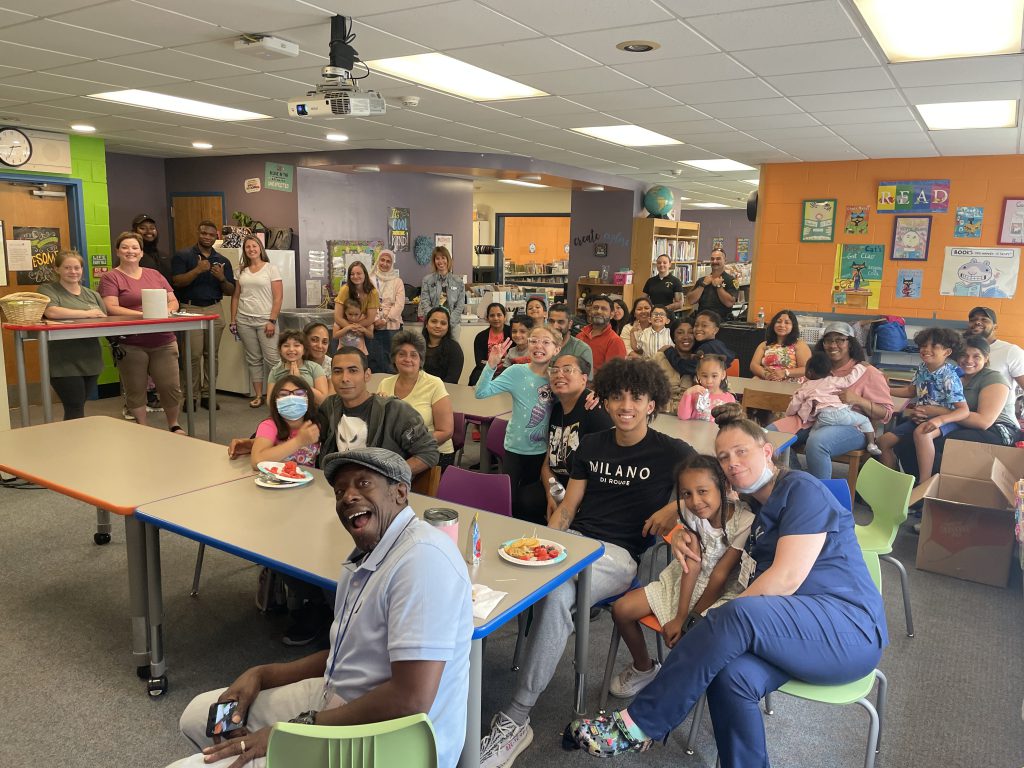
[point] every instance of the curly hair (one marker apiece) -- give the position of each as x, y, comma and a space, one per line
412, 339
638, 377
943, 337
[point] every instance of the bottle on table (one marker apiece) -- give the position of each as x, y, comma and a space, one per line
760, 318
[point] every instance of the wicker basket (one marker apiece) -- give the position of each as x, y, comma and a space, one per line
23, 308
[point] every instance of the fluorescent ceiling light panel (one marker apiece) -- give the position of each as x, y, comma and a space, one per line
957, 115
435, 70
83, 128
717, 165
178, 105
710, 205
336, 137
919, 30
202, 145
519, 183
627, 135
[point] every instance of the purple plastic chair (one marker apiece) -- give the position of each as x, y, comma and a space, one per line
496, 440
459, 436
476, 489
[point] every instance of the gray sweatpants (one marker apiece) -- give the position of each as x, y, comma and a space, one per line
552, 624
260, 351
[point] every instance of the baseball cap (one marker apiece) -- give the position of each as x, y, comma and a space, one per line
839, 327
989, 313
141, 218
380, 460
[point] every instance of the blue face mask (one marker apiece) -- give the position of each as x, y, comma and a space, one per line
761, 482
292, 407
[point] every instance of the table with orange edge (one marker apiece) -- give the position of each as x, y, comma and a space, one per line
125, 466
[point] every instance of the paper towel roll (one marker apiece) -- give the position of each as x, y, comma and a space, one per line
154, 303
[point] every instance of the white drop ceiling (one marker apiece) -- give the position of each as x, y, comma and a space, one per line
759, 81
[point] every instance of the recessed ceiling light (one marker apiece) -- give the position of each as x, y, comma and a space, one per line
367, 169
336, 137
638, 46
958, 115
627, 135
755, 182
178, 105
519, 183
710, 205
435, 70
917, 30
202, 145
83, 128
593, 188
717, 165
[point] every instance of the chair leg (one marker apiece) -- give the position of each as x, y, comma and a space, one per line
905, 586
698, 715
199, 570
869, 758
609, 667
851, 477
880, 703
524, 623
768, 708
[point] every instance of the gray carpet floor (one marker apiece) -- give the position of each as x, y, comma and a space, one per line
69, 695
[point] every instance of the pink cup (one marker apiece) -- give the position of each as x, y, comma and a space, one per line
445, 519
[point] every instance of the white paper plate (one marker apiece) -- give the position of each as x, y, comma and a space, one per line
263, 482
266, 466
534, 563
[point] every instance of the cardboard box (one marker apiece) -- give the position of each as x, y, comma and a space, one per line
967, 526
623, 278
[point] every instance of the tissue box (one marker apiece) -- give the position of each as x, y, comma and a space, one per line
623, 278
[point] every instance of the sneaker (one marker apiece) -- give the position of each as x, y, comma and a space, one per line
204, 403
501, 747
126, 413
874, 450
304, 629
153, 402
630, 681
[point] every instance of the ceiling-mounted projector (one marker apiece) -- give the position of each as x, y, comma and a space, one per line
339, 95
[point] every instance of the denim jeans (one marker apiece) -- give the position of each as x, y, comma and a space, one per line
825, 442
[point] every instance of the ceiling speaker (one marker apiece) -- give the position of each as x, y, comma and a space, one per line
752, 206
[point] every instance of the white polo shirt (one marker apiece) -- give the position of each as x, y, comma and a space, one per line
410, 599
1008, 359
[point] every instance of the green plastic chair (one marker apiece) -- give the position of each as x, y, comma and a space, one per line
887, 492
407, 742
856, 692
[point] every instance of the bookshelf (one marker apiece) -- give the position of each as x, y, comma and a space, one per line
653, 237
588, 286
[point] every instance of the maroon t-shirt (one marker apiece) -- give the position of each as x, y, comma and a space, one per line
129, 295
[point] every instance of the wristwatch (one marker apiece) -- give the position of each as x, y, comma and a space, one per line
305, 718
272, 320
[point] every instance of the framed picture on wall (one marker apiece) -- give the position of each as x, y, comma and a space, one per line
1011, 229
445, 240
818, 224
910, 238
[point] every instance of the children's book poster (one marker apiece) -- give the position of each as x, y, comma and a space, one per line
717, 242
743, 249
982, 272
343, 253
858, 277
908, 283
856, 220
818, 223
968, 221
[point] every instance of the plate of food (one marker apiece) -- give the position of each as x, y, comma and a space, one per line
276, 473
533, 552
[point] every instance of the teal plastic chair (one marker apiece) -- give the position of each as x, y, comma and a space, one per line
887, 492
856, 692
407, 742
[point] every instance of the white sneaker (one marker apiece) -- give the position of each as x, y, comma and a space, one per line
630, 681
127, 414
501, 747
874, 450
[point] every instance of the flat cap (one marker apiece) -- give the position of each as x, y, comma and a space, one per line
380, 460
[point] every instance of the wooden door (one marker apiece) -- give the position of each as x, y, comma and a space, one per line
188, 210
18, 208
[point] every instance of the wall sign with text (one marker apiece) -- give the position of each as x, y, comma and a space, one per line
913, 196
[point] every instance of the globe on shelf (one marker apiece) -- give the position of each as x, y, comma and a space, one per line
658, 202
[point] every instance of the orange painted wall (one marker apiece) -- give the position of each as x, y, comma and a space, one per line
789, 274
549, 233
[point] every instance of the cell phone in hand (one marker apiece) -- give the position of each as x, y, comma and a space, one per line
219, 723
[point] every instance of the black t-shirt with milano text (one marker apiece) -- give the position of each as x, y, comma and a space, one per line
625, 485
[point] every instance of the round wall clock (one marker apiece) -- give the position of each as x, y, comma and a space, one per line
15, 147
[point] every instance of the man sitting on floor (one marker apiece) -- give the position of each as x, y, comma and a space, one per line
390, 655
619, 478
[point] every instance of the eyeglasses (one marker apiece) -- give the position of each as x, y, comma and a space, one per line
835, 341
541, 342
565, 370
287, 392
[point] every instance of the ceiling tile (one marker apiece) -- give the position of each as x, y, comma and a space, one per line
45, 81
574, 120
672, 35
224, 51
865, 79
147, 23
6, 71
682, 129
262, 84
45, 35
750, 108
457, 24
723, 90
49, 7
370, 42
704, 7
979, 69
939, 94
694, 69
113, 74
10, 18
577, 81
522, 57
580, 15
654, 116
989, 141
856, 130
641, 98
254, 15
856, 116
24, 94
895, 145
783, 25
810, 155
771, 135
809, 57
795, 120
849, 100
183, 65
545, 105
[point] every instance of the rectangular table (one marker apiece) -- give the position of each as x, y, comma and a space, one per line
296, 531
701, 434
94, 328
464, 400
116, 466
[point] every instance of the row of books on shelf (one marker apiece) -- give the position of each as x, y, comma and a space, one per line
677, 250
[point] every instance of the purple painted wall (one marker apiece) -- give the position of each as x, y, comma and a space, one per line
604, 217
726, 224
137, 185
347, 206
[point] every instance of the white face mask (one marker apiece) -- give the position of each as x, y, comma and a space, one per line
761, 482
